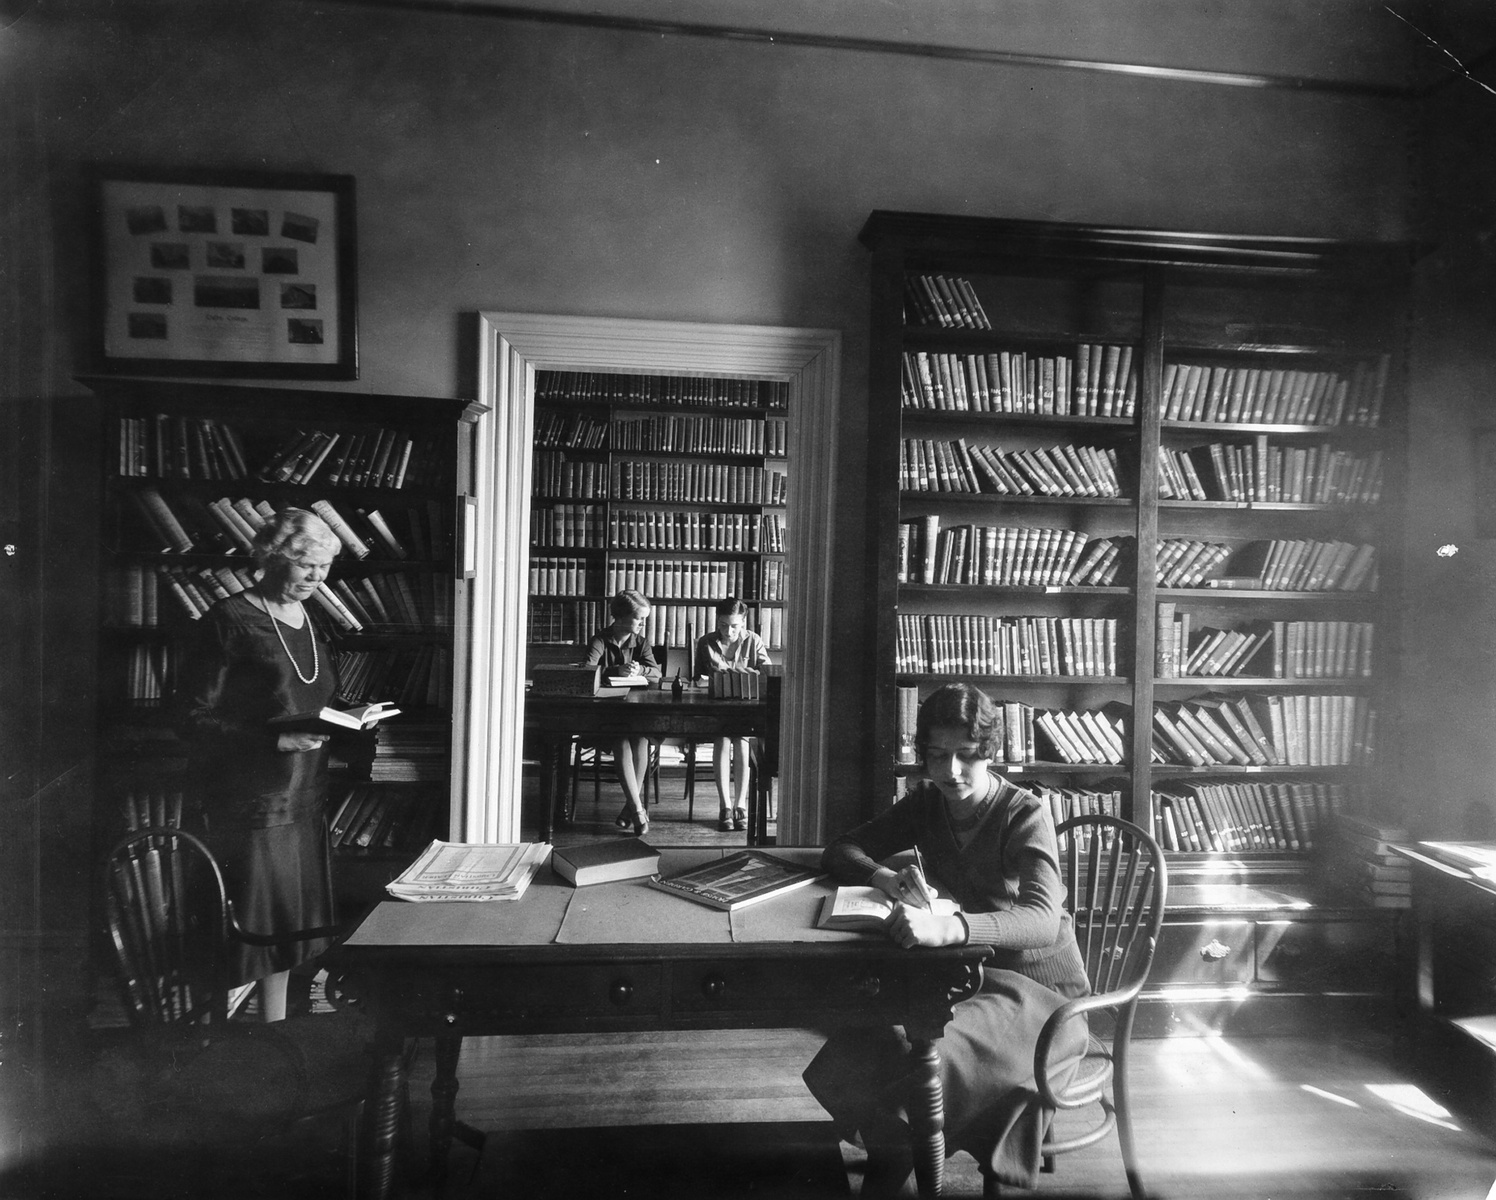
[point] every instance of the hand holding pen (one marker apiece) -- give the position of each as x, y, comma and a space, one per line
914, 888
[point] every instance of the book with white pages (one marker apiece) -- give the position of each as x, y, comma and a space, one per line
867, 909
470, 871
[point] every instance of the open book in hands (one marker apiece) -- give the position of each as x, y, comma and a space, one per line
334, 720
868, 908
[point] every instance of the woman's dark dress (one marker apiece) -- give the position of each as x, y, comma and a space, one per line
265, 808
1006, 879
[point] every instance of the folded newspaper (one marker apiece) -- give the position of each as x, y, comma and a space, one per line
470, 871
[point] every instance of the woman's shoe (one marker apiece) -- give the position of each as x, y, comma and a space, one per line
641, 826
740, 818
625, 818
724, 822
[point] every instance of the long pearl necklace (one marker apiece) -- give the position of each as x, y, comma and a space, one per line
276, 625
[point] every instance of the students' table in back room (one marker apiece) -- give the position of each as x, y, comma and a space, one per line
618, 957
651, 712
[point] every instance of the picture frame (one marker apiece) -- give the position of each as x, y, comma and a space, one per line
225, 273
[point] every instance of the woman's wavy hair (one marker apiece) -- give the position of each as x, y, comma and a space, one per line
290, 533
961, 706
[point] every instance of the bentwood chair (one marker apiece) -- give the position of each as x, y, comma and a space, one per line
189, 1077
1116, 881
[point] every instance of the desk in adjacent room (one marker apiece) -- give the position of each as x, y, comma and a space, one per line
1454, 912
652, 712
623, 956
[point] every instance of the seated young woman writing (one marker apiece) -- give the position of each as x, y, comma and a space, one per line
622, 647
990, 846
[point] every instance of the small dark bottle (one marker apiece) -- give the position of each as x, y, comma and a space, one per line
677, 688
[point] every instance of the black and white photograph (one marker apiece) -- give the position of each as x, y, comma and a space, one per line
741, 600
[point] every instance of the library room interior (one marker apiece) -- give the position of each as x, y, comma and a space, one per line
656, 598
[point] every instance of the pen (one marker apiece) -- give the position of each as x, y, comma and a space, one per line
924, 880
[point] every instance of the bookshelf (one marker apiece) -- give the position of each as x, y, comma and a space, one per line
190, 470
671, 485
1142, 488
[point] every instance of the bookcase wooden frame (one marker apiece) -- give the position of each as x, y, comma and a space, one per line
446, 426
1159, 266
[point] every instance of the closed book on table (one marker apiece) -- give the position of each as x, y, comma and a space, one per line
605, 862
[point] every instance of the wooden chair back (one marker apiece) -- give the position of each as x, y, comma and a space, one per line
167, 921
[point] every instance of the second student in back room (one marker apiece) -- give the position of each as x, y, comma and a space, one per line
732, 646
623, 646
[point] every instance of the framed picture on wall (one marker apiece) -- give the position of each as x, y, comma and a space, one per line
225, 273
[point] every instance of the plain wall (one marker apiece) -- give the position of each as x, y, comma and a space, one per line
510, 164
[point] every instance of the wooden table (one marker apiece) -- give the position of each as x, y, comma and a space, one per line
1454, 917
624, 957
650, 712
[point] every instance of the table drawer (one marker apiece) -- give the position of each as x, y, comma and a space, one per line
768, 986
1203, 954
1337, 956
537, 996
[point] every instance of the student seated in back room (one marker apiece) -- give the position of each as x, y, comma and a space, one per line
623, 648
731, 647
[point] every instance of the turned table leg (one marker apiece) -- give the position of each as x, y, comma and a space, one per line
382, 1118
443, 1108
927, 1118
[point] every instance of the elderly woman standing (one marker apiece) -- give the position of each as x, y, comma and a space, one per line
264, 792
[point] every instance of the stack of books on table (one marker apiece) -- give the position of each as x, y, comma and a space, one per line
470, 871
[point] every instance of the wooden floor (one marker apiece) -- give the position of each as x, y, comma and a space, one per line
1255, 1119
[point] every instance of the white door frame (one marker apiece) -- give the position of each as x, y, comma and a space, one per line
491, 646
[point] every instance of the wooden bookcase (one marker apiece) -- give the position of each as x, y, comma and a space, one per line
1314, 312
183, 448
672, 485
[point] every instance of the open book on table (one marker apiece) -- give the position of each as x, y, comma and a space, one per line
335, 720
867, 909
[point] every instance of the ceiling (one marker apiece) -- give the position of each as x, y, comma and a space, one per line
1398, 46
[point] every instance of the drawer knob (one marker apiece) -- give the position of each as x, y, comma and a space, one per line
621, 992
1214, 950
714, 987
866, 987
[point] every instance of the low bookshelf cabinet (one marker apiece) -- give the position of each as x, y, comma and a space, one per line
191, 469
1142, 488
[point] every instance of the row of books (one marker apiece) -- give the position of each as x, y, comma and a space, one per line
1095, 381
1233, 817
148, 674
1275, 565
141, 808
595, 387
1265, 730
406, 601
379, 458
1275, 395
596, 527
946, 301
932, 465
938, 644
186, 523
556, 430
408, 676
702, 483
988, 555
672, 625
672, 579
178, 447
1065, 803
1269, 649
386, 819
701, 435
1267, 474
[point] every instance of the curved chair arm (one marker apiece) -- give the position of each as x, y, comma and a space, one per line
1052, 1027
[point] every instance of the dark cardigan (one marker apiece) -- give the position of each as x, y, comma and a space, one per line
1006, 879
